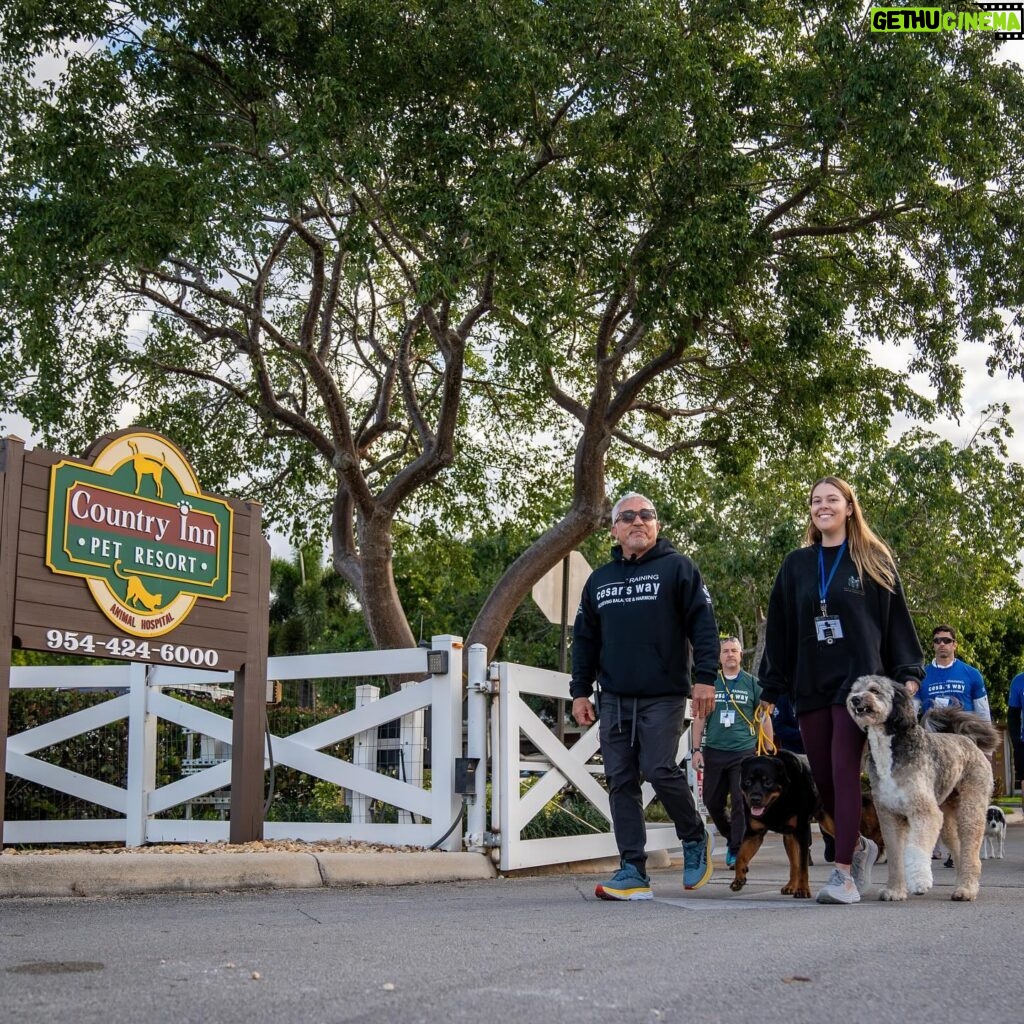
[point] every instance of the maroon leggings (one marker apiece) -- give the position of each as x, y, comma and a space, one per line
834, 745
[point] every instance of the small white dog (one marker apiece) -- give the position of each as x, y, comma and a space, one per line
995, 833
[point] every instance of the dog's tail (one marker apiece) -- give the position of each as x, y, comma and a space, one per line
954, 719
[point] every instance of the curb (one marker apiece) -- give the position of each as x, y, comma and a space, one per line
339, 869
656, 860
63, 875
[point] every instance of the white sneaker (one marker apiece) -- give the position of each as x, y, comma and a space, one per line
839, 888
864, 858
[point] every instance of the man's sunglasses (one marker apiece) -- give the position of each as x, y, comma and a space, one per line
646, 515
943, 640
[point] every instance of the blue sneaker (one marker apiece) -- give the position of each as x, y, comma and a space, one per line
626, 884
730, 859
697, 866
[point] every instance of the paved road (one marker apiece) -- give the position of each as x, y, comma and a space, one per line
530, 950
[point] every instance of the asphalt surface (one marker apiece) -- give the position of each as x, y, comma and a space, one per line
524, 949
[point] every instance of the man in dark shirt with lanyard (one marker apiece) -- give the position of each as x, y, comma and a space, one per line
722, 740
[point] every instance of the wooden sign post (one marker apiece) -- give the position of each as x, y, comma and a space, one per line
122, 555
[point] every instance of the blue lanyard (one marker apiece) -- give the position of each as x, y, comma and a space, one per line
823, 584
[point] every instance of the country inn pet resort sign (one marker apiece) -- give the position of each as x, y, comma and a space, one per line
120, 554
137, 528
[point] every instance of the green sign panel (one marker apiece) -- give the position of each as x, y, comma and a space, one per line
135, 525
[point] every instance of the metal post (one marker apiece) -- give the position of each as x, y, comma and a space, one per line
477, 700
364, 753
563, 649
446, 741
141, 754
493, 678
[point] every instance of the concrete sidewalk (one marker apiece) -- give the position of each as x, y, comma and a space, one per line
118, 874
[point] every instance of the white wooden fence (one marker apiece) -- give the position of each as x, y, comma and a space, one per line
551, 769
500, 721
425, 813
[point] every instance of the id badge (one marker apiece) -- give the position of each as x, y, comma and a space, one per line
727, 718
829, 628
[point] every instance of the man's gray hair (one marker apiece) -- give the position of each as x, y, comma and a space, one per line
626, 497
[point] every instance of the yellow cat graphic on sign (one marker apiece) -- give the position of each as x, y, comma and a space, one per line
137, 594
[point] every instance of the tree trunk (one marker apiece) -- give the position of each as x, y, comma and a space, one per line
586, 514
367, 566
382, 607
518, 580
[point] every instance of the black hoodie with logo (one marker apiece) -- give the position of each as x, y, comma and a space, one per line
636, 623
878, 633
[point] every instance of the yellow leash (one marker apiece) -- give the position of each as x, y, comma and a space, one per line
764, 744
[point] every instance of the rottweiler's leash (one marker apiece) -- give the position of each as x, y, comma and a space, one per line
765, 744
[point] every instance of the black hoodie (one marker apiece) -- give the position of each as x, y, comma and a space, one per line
636, 622
878, 633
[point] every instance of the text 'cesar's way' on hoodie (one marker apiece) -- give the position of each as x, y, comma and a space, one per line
636, 623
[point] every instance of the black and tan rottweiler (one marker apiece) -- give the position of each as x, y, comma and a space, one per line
780, 796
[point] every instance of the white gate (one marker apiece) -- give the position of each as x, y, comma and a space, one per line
426, 814
558, 766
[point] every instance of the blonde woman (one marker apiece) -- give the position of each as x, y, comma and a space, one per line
837, 612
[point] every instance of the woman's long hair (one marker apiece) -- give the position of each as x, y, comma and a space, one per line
869, 552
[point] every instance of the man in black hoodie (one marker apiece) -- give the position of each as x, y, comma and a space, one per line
638, 619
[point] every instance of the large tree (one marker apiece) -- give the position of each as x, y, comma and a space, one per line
353, 255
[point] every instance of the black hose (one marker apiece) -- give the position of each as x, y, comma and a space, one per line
270, 784
451, 829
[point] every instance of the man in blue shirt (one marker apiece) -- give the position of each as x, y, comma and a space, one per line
1014, 704
948, 680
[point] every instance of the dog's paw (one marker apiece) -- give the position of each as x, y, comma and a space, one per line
919, 878
964, 893
888, 895
799, 894
737, 883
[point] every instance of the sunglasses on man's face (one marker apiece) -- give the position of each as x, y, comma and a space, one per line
646, 515
943, 640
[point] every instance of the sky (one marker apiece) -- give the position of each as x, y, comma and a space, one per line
980, 390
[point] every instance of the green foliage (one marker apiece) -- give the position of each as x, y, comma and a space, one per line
566, 815
312, 609
298, 797
445, 577
951, 516
464, 263
100, 753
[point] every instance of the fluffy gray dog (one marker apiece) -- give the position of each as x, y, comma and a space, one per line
925, 780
